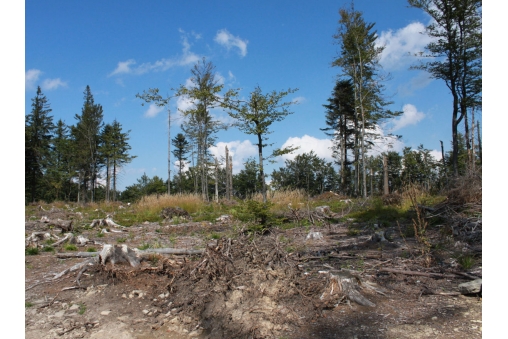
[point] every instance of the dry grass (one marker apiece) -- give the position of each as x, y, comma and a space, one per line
191, 203
467, 189
282, 198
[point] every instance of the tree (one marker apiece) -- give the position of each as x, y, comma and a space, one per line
248, 181
38, 128
61, 170
359, 60
257, 115
204, 93
181, 149
342, 127
86, 135
306, 171
456, 56
114, 151
153, 96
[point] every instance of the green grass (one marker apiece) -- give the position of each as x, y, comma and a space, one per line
121, 240
31, 251
82, 309
28, 304
144, 246
466, 261
48, 249
70, 247
91, 249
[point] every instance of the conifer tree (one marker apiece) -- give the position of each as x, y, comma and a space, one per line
38, 128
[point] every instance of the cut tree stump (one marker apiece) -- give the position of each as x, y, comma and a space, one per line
344, 286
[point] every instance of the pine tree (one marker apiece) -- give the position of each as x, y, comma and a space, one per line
359, 61
86, 136
115, 153
38, 128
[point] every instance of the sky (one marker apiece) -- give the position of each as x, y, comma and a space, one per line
122, 48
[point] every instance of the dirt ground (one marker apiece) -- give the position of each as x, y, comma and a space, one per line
276, 285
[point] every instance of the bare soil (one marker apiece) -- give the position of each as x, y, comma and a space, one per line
264, 286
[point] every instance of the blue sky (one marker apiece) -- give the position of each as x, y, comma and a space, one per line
120, 48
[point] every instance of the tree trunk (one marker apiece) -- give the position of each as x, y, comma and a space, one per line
261, 171
386, 189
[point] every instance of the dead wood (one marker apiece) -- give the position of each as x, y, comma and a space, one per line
344, 286
424, 274
108, 221
69, 237
76, 255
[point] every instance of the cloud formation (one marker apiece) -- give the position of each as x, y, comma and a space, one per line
239, 150
307, 143
187, 57
401, 45
410, 116
32, 78
228, 40
153, 110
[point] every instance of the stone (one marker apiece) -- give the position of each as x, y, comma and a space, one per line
471, 287
105, 312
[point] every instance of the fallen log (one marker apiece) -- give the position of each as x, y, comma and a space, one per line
424, 274
142, 254
108, 221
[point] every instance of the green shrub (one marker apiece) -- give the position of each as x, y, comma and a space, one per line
91, 249
48, 249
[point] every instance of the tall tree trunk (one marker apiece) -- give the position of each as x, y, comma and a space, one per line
386, 188
216, 181
473, 152
169, 152
261, 171
228, 194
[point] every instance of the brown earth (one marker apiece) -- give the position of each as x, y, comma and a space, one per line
275, 285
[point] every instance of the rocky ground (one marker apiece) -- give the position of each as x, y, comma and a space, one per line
276, 285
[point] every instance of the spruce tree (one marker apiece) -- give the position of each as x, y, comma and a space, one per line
38, 129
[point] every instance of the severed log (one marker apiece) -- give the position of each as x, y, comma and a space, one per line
142, 254
169, 251
64, 225
344, 286
108, 221
118, 254
68, 237
424, 274
76, 255
36, 237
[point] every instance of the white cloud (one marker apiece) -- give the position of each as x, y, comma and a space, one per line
410, 116
153, 110
401, 45
383, 143
184, 103
239, 150
31, 77
321, 147
436, 154
228, 40
124, 67
49, 84
186, 58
